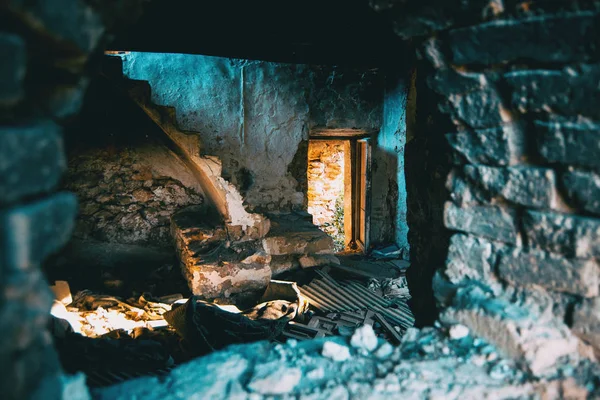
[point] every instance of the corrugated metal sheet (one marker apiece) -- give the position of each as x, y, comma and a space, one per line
328, 295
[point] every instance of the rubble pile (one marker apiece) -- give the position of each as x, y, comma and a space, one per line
429, 363
107, 336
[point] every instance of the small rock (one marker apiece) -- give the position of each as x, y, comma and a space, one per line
364, 338
335, 351
458, 331
316, 374
410, 335
278, 382
384, 351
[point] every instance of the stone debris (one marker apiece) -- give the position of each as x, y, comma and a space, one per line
458, 331
364, 338
335, 351
272, 379
331, 368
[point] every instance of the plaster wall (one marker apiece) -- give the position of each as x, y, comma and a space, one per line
388, 182
254, 115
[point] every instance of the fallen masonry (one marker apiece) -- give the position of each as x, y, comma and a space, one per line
427, 364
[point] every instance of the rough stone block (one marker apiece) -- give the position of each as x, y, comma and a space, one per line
63, 100
586, 321
527, 186
471, 258
569, 142
31, 160
583, 188
281, 264
492, 222
214, 268
571, 235
72, 25
479, 108
291, 234
195, 227
547, 38
537, 344
449, 81
573, 91
316, 260
221, 273
500, 146
32, 232
12, 69
24, 293
551, 271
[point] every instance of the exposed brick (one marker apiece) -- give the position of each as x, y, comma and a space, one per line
528, 186
550, 271
583, 188
31, 160
499, 146
548, 38
569, 143
72, 25
32, 232
471, 258
566, 234
12, 68
586, 321
496, 223
571, 91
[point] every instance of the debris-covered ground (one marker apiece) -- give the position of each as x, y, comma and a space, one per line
431, 363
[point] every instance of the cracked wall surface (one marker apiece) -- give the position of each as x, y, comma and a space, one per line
254, 115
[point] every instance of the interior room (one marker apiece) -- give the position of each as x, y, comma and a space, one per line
314, 200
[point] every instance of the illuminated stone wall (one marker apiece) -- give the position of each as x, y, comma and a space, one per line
326, 186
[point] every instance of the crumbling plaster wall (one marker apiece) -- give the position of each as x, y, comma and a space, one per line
255, 115
388, 191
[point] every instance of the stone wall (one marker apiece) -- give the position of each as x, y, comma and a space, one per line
255, 115
42, 84
326, 186
519, 80
128, 195
128, 182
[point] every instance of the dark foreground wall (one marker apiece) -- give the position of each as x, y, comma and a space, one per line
520, 82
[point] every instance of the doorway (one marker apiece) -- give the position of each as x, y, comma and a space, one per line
338, 189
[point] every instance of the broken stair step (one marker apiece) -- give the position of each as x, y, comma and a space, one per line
219, 271
299, 243
293, 234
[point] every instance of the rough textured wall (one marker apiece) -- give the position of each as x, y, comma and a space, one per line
326, 187
42, 84
127, 195
254, 115
388, 204
127, 181
520, 81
